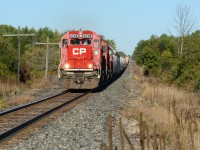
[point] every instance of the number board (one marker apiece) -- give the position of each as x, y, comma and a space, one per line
87, 35
73, 35
84, 36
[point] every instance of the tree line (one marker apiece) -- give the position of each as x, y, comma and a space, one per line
174, 59
32, 55
160, 57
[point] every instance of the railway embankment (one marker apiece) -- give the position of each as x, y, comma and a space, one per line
86, 125
153, 115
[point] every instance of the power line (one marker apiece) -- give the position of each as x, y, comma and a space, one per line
47, 54
18, 35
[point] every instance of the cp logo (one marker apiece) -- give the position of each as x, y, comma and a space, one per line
78, 51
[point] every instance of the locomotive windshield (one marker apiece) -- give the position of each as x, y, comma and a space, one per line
78, 41
75, 41
86, 42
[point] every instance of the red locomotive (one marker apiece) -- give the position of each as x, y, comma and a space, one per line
86, 60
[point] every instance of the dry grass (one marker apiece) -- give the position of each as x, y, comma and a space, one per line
38, 84
2, 104
12, 94
175, 112
8, 87
16, 100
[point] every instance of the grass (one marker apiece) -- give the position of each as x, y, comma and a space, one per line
168, 117
8, 87
12, 93
2, 104
17, 100
175, 113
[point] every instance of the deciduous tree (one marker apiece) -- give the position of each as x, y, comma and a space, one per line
183, 24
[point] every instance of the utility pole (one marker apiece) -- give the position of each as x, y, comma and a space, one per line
47, 55
18, 37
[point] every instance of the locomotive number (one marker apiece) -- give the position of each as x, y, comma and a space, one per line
87, 35
80, 35
73, 35
78, 51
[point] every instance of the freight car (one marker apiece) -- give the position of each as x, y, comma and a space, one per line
86, 60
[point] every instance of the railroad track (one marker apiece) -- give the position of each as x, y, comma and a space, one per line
14, 120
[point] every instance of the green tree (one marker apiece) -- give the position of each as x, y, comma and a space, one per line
4, 71
151, 61
8, 55
111, 43
137, 54
121, 53
33, 57
166, 43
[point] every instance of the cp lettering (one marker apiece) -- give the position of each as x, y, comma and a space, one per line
78, 51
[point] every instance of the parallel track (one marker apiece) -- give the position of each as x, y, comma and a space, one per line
14, 120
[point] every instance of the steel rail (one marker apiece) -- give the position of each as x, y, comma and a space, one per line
14, 130
28, 104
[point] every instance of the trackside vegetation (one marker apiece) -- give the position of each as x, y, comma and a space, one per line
158, 56
32, 62
32, 56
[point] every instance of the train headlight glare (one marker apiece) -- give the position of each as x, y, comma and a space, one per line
66, 66
90, 66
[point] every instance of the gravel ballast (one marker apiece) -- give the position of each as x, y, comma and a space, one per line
85, 126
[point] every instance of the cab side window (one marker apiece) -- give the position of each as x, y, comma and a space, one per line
96, 43
64, 42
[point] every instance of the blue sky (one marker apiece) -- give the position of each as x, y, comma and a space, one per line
125, 21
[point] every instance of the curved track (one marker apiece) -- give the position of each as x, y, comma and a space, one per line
16, 119
13, 120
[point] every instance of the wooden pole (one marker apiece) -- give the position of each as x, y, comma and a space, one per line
47, 55
19, 53
18, 68
47, 59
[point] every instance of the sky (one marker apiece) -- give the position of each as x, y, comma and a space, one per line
125, 21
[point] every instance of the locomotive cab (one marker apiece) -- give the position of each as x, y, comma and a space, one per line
86, 60
79, 66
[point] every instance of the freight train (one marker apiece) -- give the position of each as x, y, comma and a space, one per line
86, 60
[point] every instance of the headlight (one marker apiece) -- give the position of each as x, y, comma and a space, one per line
90, 66
66, 66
